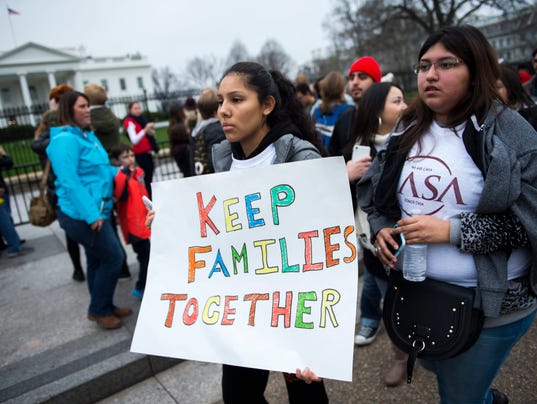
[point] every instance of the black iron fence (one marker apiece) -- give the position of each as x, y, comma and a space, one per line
156, 102
23, 179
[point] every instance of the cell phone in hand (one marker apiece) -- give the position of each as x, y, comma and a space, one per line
399, 239
359, 151
147, 202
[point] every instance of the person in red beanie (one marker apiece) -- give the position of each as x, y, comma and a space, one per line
362, 74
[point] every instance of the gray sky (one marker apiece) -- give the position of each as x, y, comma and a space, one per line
168, 32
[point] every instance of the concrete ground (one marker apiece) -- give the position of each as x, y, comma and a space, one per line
50, 352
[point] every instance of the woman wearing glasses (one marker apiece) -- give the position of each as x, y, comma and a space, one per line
470, 165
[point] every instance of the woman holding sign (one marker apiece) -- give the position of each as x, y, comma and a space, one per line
264, 124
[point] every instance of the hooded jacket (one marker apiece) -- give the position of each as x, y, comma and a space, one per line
84, 177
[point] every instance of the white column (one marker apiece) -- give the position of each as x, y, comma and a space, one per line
78, 81
26, 95
51, 80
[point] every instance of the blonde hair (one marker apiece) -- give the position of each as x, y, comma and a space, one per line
96, 93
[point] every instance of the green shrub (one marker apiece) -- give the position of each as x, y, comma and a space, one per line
16, 132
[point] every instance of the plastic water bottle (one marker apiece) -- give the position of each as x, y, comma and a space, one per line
415, 259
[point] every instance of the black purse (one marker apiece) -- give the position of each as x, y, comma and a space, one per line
430, 319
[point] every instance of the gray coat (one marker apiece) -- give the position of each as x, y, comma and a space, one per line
289, 148
508, 147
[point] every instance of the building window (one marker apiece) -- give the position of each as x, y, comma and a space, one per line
140, 81
104, 83
122, 84
33, 93
6, 96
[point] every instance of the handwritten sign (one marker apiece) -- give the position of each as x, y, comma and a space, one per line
254, 268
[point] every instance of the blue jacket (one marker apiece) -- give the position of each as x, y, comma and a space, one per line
84, 177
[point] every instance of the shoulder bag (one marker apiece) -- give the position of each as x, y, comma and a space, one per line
430, 319
41, 212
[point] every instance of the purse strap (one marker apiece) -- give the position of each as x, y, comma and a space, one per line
44, 177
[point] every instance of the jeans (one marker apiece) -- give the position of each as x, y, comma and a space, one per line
7, 228
467, 378
373, 291
104, 256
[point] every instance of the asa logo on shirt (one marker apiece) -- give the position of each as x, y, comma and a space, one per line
429, 185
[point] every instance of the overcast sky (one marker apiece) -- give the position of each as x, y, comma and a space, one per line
168, 32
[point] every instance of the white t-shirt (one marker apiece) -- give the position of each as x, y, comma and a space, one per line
263, 159
443, 181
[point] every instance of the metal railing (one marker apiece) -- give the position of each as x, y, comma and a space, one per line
23, 179
22, 115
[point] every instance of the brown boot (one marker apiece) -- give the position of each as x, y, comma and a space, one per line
397, 372
107, 322
118, 312
122, 312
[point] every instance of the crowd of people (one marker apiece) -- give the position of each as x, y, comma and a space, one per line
463, 152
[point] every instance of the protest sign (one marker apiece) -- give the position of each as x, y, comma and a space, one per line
255, 268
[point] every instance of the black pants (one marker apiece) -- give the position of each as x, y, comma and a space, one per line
247, 386
142, 249
146, 163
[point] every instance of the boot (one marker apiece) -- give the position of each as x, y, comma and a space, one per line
78, 275
397, 372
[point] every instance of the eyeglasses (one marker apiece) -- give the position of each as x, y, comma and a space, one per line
441, 64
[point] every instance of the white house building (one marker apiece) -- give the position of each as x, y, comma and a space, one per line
28, 72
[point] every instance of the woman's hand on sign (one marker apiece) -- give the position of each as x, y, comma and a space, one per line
149, 218
307, 375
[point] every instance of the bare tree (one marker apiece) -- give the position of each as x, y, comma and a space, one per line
391, 30
164, 81
203, 71
433, 14
237, 53
274, 57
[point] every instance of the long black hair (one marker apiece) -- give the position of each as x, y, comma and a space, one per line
287, 108
366, 123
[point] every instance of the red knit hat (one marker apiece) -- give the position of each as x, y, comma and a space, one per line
524, 76
367, 65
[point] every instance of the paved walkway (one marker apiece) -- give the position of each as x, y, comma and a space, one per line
50, 352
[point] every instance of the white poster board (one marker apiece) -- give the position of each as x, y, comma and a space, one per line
254, 268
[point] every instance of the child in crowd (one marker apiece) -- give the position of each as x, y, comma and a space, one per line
128, 191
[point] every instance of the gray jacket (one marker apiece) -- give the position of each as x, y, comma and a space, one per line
508, 149
288, 148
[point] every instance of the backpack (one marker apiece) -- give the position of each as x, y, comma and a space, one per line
324, 123
202, 165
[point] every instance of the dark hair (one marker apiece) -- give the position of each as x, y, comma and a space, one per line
470, 45
366, 122
66, 113
178, 134
117, 149
130, 105
176, 114
517, 96
534, 53
303, 88
274, 84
